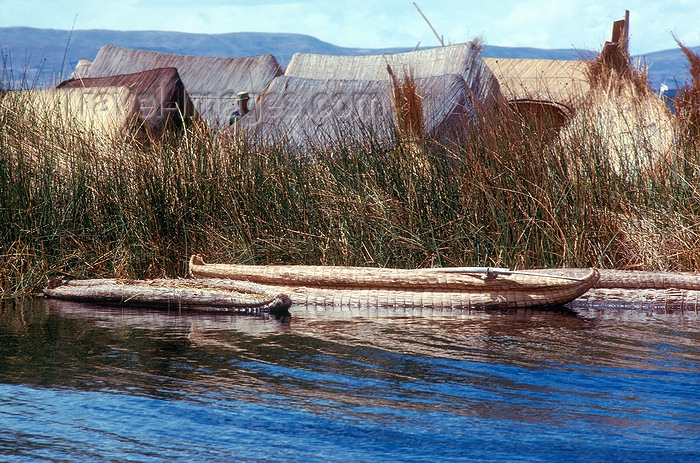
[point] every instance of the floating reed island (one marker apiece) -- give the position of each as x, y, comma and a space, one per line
537, 165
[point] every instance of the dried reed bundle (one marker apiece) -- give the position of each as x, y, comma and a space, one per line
633, 129
630, 126
687, 104
612, 68
408, 105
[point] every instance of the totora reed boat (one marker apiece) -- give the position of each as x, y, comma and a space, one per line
202, 295
436, 288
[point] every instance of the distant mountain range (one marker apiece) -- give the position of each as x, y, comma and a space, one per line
43, 57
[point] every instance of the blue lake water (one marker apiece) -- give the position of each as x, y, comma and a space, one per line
90, 383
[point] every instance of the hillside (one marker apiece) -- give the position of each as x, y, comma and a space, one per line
44, 56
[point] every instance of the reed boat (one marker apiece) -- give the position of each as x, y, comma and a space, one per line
436, 288
643, 291
205, 295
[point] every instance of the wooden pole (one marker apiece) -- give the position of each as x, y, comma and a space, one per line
431, 26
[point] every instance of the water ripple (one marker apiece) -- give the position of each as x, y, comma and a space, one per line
95, 383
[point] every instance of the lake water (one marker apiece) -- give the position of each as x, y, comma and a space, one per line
90, 383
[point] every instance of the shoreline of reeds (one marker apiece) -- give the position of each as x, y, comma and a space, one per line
511, 192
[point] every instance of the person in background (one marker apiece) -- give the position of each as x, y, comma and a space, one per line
242, 99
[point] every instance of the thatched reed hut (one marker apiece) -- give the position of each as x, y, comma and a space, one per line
103, 112
325, 114
462, 59
212, 83
561, 81
326, 101
161, 95
545, 90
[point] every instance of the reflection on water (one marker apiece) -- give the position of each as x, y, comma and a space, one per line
92, 382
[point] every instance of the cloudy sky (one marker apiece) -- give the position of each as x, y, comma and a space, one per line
579, 24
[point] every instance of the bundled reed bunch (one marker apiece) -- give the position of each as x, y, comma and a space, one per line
407, 105
687, 104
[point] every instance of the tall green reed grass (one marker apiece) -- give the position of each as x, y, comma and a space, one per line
508, 192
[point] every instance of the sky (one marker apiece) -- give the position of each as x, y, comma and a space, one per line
578, 24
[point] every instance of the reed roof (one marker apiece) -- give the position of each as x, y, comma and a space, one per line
461, 59
541, 79
100, 111
80, 68
160, 92
212, 82
303, 112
